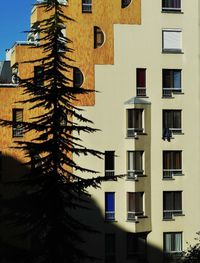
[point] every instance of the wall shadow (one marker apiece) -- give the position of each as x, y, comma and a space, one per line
14, 246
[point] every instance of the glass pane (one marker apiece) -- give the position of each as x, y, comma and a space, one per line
176, 119
177, 79
178, 242
167, 242
131, 161
178, 200
131, 202
168, 201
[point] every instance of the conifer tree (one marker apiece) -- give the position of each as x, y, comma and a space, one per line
55, 184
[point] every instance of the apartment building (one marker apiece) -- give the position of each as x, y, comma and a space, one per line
143, 58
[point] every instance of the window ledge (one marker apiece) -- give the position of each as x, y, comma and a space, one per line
173, 96
136, 137
138, 96
173, 178
139, 176
168, 219
172, 12
171, 51
110, 221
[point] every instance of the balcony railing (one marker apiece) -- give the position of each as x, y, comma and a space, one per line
141, 91
132, 132
169, 173
168, 214
133, 215
18, 131
110, 215
109, 173
134, 174
167, 92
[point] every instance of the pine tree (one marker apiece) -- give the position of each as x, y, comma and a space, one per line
55, 185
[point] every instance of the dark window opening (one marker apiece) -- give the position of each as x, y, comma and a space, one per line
109, 206
98, 37
17, 118
172, 164
86, 6
141, 82
172, 204
125, 3
171, 82
39, 76
109, 164
77, 77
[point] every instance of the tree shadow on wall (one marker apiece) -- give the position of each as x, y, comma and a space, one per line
107, 242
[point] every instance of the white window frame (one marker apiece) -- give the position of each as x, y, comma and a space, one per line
172, 43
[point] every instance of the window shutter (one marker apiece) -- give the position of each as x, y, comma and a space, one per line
110, 202
172, 40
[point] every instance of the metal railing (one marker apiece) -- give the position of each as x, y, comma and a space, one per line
132, 132
109, 173
169, 173
167, 92
134, 174
110, 215
133, 215
141, 91
18, 131
168, 214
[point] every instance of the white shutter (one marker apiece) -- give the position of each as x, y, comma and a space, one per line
172, 40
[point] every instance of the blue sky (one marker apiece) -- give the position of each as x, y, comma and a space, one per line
14, 19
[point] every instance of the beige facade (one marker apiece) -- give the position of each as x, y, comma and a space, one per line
170, 204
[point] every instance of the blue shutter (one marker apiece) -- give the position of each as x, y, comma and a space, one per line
110, 202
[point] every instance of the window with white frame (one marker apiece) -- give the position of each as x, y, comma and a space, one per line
172, 164
171, 123
172, 40
172, 242
171, 81
171, 5
134, 122
134, 205
135, 164
172, 204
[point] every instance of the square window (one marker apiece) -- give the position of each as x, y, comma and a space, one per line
86, 6
172, 40
141, 82
171, 5
135, 164
172, 242
110, 206
172, 164
134, 205
17, 118
172, 204
171, 81
136, 246
134, 122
